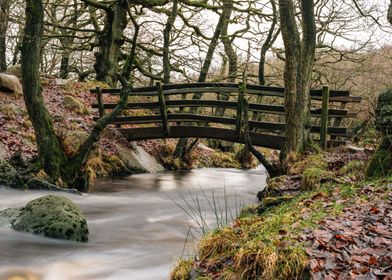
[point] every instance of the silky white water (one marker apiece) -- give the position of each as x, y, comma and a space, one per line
136, 230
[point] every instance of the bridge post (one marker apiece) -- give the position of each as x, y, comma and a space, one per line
238, 126
100, 102
324, 117
162, 103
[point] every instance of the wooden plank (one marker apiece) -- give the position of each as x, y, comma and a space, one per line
262, 108
136, 120
162, 105
258, 139
324, 117
338, 120
187, 86
277, 127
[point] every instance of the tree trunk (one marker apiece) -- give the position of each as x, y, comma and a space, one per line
4, 13
180, 148
110, 41
64, 66
231, 55
50, 152
166, 43
267, 44
298, 67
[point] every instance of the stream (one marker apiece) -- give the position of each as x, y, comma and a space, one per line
138, 225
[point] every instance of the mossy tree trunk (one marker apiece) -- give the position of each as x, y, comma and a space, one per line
298, 68
50, 152
110, 40
4, 14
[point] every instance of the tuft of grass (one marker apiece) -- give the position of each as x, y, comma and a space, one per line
182, 270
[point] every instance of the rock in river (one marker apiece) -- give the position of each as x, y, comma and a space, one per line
52, 216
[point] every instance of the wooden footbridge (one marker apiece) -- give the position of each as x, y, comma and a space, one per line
213, 110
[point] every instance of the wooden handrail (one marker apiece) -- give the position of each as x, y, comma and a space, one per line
263, 108
174, 89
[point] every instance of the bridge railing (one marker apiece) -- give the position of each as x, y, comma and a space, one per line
170, 111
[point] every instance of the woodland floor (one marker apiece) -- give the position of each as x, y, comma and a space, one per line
358, 243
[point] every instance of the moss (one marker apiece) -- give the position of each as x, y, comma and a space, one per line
354, 168
182, 270
311, 161
102, 165
275, 201
224, 160
381, 162
76, 105
72, 141
312, 177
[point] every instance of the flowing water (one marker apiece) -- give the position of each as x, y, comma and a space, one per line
137, 227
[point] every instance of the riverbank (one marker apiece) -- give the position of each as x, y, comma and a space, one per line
321, 221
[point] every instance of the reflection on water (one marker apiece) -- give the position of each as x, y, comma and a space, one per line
136, 229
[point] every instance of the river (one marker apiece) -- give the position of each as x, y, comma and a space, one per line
138, 225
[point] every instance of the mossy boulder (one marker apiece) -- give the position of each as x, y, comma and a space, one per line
9, 176
73, 140
381, 163
15, 70
8, 216
53, 216
74, 104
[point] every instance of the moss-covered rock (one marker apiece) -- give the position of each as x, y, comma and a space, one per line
53, 216
9, 177
15, 70
8, 216
74, 104
73, 140
313, 176
381, 163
